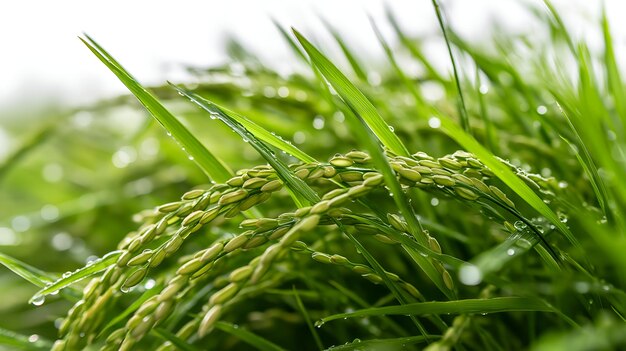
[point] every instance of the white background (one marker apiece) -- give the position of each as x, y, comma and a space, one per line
42, 60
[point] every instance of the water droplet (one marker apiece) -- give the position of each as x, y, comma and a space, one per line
20, 223
581, 287
469, 274
318, 324
66, 274
563, 184
434, 201
283, 92
39, 300
191, 158
510, 252
483, 89
523, 243
318, 122
124, 289
33, 338
434, 122
519, 225
541, 110
391, 128
150, 283
62, 241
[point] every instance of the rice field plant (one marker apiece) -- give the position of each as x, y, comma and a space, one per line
348, 205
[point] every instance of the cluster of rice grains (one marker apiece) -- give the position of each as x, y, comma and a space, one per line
344, 179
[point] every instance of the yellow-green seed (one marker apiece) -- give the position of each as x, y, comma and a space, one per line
472, 173
157, 258
169, 207
336, 201
321, 257
333, 193
449, 163
235, 181
135, 278
141, 258
308, 223
341, 161
410, 174
302, 211
190, 267
224, 294
385, 239
472, 162
193, 194
396, 222
161, 226
192, 218
443, 180
422, 170
441, 171
173, 244
358, 190
264, 224
208, 321
466, 193
163, 310
480, 185
429, 164
357, 155
241, 273
320, 207
462, 179
351, 176
235, 243
329, 172
412, 290
232, 197
209, 215
302, 174
372, 179
422, 156
397, 166
502, 196
279, 232
200, 272
255, 241
273, 185
148, 234
338, 259
510, 227
434, 244
447, 280
316, 173
124, 258
374, 278
254, 183
361, 269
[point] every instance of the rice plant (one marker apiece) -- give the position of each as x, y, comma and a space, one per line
334, 208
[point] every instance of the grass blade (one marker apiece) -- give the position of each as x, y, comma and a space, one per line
300, 191
494, 305
307, 319
248, 337
353, 97
463, 109
174, 339
21, 342
382, 344
366, 132
28, 272
77, 275
214, 168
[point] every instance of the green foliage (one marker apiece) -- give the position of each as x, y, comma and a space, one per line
488, 218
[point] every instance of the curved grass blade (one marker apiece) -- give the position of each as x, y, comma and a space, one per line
174, 339
352, 60
77, 275
307, 319
463, 109
366, 133
213, 167
493, 305
506, 175
21, 342
353, 97
383, 344
33, 141
28, 272
248, 337
299, 190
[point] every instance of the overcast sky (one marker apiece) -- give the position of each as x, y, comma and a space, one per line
42, 59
